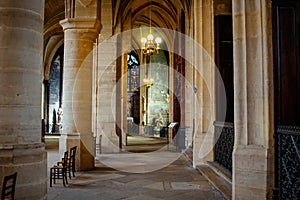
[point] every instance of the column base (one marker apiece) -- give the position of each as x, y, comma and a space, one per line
30, 162
85, 149
110, 140
203, 148
110, 144
253, 173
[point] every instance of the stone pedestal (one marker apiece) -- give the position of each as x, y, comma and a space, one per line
79, 38
251, 172
29, 161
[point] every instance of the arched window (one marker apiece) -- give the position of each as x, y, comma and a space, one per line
133, 88
54, 97
133, 73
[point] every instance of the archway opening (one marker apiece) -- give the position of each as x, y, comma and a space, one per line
148, 102
53, 94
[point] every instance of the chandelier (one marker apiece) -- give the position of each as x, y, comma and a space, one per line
149, 45
148, 82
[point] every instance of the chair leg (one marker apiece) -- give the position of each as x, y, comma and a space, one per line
73, 169
50, 177
66, 176
69, 170
54, 177
63, 178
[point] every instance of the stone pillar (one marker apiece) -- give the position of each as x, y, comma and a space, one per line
107, 55
79, 38
203, 82
253, 98
21, 53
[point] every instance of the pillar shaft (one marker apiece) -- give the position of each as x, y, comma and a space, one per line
21, 53
253, 97
204, 67
107, 64
80, 35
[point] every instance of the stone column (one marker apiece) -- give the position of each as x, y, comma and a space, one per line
253, 99
21, 53
107, 54
204, 75
79, 38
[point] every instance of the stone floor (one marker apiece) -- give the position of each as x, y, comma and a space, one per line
134, 176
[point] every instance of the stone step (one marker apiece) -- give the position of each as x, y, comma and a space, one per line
218, 181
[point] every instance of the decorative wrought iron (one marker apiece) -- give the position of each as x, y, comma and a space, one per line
287, 140
224, 135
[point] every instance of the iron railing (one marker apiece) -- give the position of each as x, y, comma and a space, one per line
287, 162
224, 141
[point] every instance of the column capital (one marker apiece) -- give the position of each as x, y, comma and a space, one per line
84, 24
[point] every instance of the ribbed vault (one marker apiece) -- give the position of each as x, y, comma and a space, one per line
159, 13
53, 33
163, 14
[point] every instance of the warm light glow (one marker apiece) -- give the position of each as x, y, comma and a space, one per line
149, 46
148, 81
143, 40
158, 40
150, 37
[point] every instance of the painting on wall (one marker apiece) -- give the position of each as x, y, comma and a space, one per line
159, 110
158, 93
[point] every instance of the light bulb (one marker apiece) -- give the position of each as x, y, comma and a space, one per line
143, 40
150, 37
158, 40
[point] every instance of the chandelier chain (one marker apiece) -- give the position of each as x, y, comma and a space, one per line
149, 45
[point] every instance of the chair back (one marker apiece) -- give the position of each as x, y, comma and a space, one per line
65, 159
8, 187
73, 153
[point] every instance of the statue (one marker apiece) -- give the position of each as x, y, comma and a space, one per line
58, 125
59, 116
157, 121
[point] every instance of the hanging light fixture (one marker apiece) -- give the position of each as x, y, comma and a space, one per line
149, 45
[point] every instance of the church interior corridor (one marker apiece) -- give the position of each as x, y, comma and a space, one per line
150, 99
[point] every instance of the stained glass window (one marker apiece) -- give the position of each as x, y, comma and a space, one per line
133, 73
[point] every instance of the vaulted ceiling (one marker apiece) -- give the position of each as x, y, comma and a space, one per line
54, 12
166, 14
160, 13
163, 13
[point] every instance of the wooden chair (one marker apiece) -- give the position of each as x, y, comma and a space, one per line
59, 171
8, 187
70, 168
71, 161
